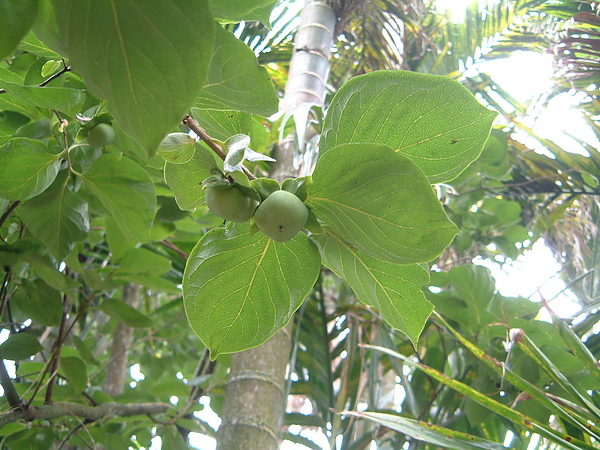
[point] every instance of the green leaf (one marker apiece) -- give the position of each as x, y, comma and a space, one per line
433, 120
177, 148
75, 371
31, 44
222, 125
39, 302
83, 350
126, 191
145, 262
237, 10
16, 18
27, 168
380, 202
125, 314
239, 289
427, 432
20, 346
393, 289
185, 180
47, 272
236, 80
475, 285
148, 58
58, 218
69, 101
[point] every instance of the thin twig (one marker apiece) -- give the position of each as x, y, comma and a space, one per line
8, 212
62, 333
48, 80
176, 249
189, 122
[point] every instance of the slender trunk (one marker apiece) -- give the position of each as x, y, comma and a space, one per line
119, 353
255, 393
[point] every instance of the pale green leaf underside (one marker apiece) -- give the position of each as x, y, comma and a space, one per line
431, 119
393, 289
426, 432
236, 81
27, 168
380, 202
237, 10
58, 218
239, 289
126, 192
223, 124
185, 180
148, 58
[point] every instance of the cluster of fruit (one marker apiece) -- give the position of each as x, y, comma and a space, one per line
280, 216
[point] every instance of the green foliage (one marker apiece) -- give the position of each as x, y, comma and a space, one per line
16, 18
83, 221
150, 79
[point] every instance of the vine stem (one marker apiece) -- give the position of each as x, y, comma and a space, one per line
189, 122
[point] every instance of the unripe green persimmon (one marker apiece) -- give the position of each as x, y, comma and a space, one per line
230, 204
101, 135
281, 216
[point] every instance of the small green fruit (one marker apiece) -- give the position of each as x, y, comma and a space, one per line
101, 135
230, 204
281, 216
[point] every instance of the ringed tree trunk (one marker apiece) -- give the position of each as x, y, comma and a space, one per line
255, 393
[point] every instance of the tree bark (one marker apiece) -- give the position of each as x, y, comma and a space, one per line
255, 393
119, 354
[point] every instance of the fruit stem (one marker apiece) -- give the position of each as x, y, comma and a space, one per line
189, 122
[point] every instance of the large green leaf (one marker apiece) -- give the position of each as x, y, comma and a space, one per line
126, 191
240, 289
236, 81
185, 180
69, 101
27, 168
16, 18
431, 119
393, 289
58, 218
148, 58
380, 202
427, 432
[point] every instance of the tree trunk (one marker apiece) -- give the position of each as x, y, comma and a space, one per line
255, 393
119, 354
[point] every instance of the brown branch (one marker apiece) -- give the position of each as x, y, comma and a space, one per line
176, 249
48, 80
10, 392
189, 122
92, 413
